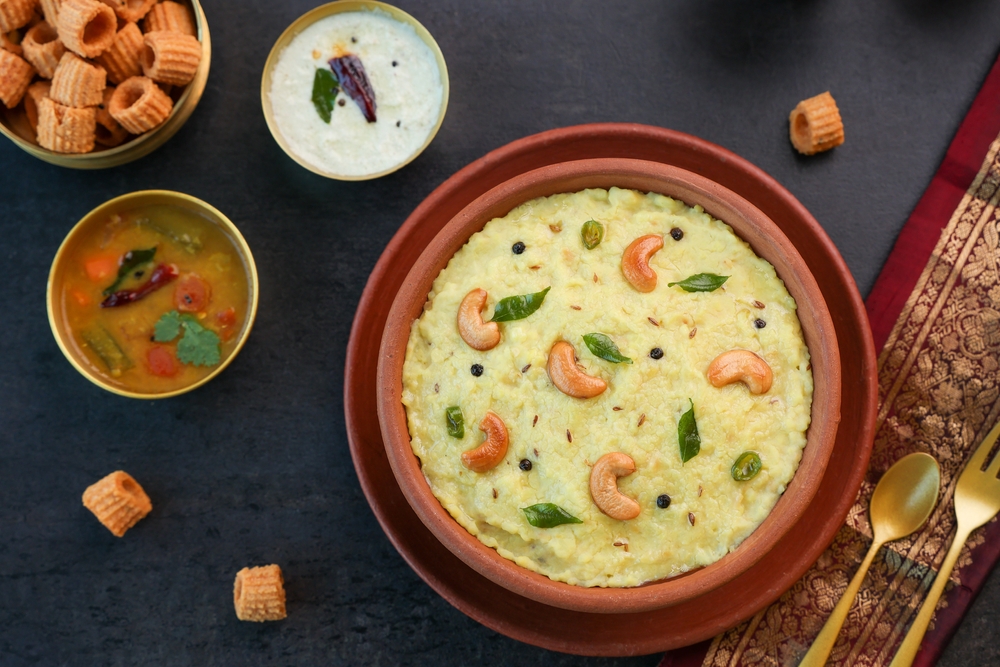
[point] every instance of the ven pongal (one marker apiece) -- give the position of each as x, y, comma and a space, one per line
659, 470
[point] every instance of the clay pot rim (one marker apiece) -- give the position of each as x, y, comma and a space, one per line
767, 241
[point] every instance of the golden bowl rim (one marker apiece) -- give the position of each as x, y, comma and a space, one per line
190, 201
144, 144
341, 7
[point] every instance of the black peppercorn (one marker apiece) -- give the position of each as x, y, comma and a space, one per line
394, 63
676, 233
518, 248
656, 353
524, 465
663, 501
759, 323
477, 369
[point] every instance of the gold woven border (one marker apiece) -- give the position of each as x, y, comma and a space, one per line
938, 393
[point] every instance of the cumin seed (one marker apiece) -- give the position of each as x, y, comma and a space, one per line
494, 494
536, 452
595, 277
525, 369
693, 332
535, 267
758, 304
699, 490
569, 436
437, 387
616, 409
534, 421
556, 228
653, 322
691, 518
576, 307
642, 419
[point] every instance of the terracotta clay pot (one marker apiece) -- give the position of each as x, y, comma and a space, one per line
752, 226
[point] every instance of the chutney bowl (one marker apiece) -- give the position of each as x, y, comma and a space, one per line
318, 14
15, 126
767, 241
63, 265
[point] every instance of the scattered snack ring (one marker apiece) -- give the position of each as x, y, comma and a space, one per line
15, 14
117, 501
78, 83
139, 105
36, 92
815, 125
259, 594
15, 77
86, 27
170, 16
43, 49
171, 57
121, 59
8, 43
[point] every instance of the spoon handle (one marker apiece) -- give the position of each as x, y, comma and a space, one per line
823, 644
911, 643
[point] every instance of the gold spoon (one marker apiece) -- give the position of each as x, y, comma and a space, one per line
901, 503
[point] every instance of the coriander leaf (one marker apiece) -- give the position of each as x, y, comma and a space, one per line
687, 435
168, 327
456, 422
592, 233
324, 93
701, 282
605, 348
133, 259
548, 515
199, 346
518, 307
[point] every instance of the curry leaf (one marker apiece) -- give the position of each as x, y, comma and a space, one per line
518, 307
324, 93
687, 435
605, 348
548, 515
701, 282
133, 259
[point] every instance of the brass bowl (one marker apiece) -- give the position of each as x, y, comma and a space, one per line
14, 124
340, 7
142, 198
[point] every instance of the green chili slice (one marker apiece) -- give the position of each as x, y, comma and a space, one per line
456, 422
747, 466
592, 233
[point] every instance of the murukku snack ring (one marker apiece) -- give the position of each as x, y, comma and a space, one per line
86, 27
109, 132
171, 57
130, 10
78, 83
15, 77
170, 16
43, 49
815, 125
8, 42
117, 500
50, 10
121, 59
37, 91
15, 14
139, 105
259, 594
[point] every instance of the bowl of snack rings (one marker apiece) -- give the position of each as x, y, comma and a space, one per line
88, 84
152, 294
754, 228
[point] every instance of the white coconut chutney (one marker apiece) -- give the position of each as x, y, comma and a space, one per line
403, 72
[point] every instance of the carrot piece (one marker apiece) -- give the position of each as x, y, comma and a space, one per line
227, 317
101, 268
161, 361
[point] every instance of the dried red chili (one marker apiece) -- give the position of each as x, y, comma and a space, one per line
161, 275
354, 81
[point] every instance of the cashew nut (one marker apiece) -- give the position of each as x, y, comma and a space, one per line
604, 486
478, 334
635, 262
567, 376
740, 366
489, 454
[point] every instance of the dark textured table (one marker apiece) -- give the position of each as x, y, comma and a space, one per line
254, 467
